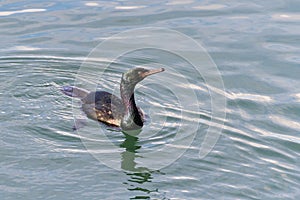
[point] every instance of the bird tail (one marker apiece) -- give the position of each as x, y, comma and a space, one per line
74, 91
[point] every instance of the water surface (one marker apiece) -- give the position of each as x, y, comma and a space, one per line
255, 46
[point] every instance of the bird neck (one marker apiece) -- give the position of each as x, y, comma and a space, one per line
132, 119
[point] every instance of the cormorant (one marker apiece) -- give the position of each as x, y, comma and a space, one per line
110, 109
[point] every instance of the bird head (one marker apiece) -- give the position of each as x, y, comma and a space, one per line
136, 75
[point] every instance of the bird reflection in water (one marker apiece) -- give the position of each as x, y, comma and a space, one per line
138, 176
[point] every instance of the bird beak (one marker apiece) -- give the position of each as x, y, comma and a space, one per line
152, 71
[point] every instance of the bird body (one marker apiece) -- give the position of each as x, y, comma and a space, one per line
110, 109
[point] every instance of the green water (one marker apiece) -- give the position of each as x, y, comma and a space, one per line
255, 46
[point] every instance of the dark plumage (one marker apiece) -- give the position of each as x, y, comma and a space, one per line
110, 109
